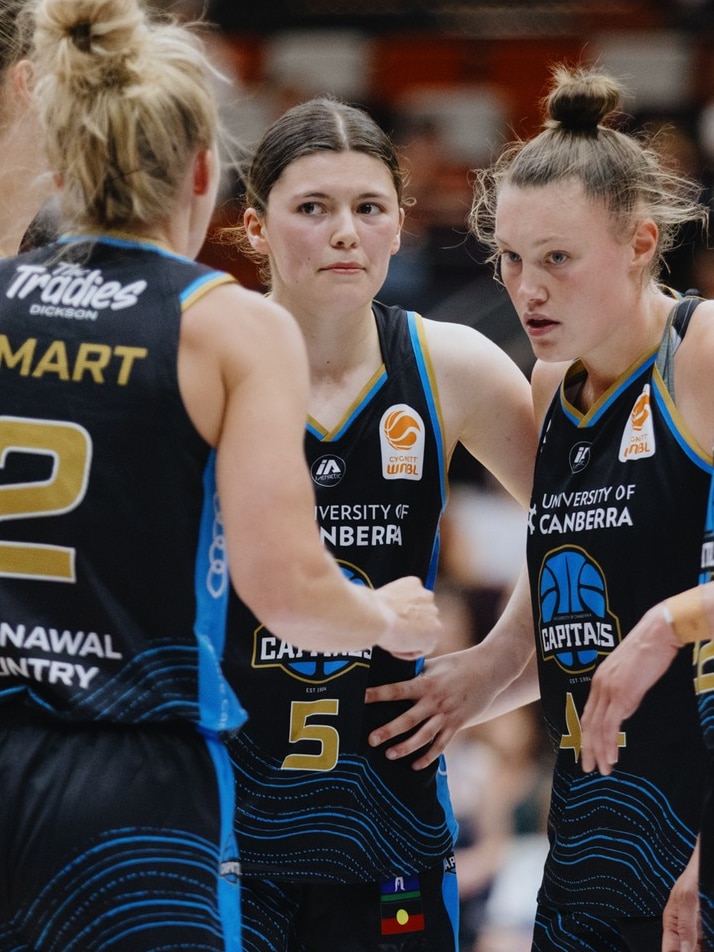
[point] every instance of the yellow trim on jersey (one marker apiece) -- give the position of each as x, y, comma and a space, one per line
359, 399
214, 281
682, 427
428, 363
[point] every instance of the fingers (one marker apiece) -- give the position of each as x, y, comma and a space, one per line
427, 739
402, 724
397, 691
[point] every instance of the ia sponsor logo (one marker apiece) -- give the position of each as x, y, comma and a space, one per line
328, 470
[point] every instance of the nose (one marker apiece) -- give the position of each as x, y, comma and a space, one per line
344, 233
531, 289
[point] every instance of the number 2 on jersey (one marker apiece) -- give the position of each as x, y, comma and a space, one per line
326, 736
70, 448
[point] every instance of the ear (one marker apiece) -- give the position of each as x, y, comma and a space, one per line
23, 80
254, 231
397, 243
644, 242
202, 172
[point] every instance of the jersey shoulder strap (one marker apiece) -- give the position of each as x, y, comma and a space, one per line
676, 328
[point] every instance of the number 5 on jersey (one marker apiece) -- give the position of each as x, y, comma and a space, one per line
326, 736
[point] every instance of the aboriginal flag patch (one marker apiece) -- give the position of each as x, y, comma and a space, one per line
401, 908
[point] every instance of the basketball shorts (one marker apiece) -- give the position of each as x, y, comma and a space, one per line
115, 838
582, 932
410, 913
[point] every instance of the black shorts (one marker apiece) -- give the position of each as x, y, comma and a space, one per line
115, 838
412, 913
583, 932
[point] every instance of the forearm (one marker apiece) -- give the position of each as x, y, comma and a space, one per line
524, 689
690, 614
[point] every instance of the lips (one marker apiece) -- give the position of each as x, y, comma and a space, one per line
348, 267
537, 325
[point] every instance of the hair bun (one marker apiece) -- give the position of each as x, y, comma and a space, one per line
81, 35
581, 99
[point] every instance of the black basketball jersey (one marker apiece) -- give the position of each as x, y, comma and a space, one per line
618, 495
113, 582
315, 802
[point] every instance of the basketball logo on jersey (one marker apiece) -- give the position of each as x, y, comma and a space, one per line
312, 666
638, 440
401, 435
575, 624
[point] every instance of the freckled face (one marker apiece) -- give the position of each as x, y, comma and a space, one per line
569, 278
331, 225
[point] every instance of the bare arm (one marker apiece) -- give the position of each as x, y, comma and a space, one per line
680, 919
623, 678
244, 379
486, 404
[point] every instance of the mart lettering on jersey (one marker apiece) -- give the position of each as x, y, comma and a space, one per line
99, 363
575, 622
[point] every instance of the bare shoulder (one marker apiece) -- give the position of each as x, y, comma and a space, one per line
693, 364
231, 318
696, 352
452, 342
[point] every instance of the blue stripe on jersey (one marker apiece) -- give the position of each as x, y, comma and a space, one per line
686, 442
421, 352
229, 878
219, 708
416, 333
203, 284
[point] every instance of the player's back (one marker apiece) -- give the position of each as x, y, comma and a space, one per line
111, 565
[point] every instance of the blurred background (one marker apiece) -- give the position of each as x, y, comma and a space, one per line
453, 82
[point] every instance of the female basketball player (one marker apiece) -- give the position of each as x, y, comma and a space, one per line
135, 382
579, 218
340, 848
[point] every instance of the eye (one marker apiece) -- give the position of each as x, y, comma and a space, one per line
369, 208
557, 257
510, 257
310, 208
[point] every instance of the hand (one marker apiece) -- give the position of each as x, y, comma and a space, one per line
620, 683
682, 930
445, 696
415, 630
